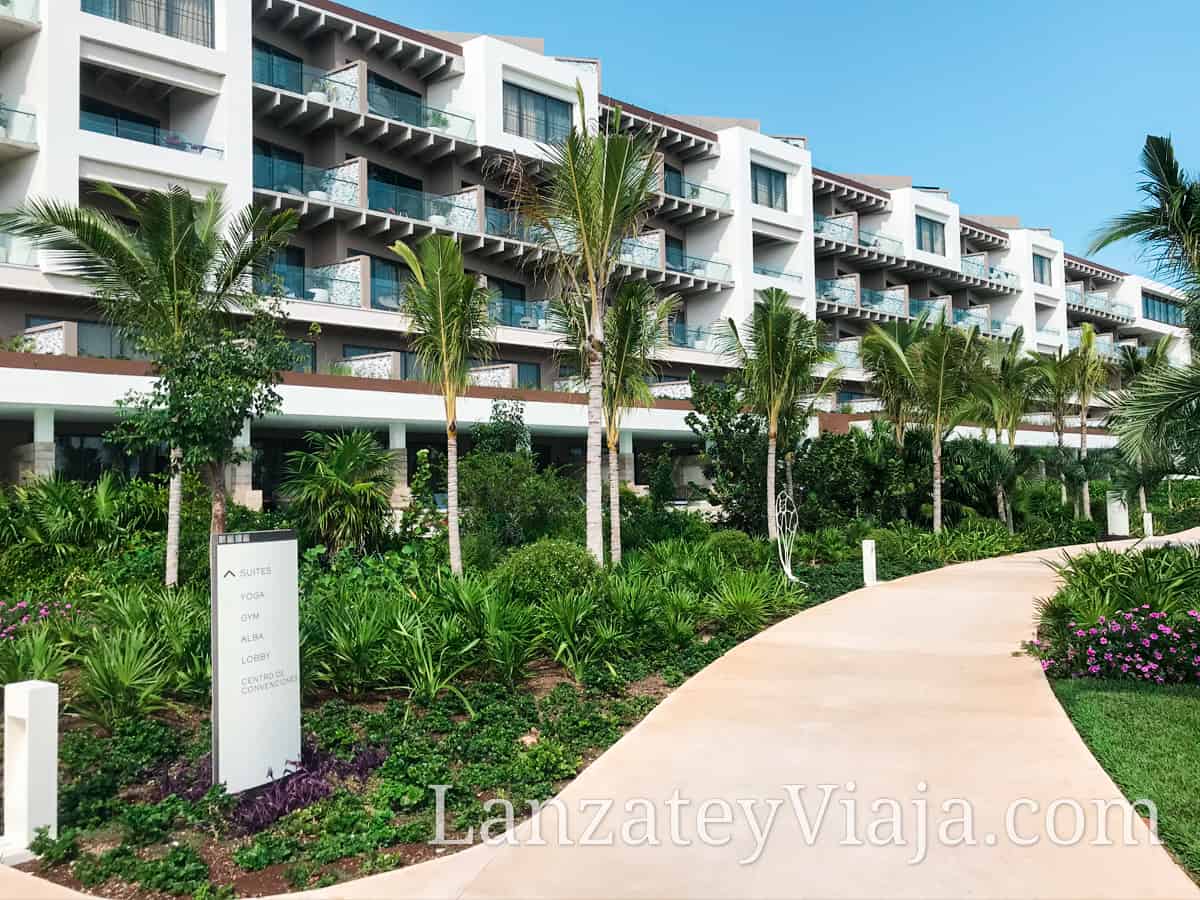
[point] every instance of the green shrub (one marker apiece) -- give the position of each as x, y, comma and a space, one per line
643, 522
123, 676
742, 604
548, 569
507, 498
737, 548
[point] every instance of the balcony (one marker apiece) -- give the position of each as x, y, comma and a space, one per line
18, 133
892, 301
186, 20
457, 211
91, 339
835, 229
1002, 328
972, 318
338, 184
115, 126
333, 284
1049, 336
1004, 277
400, 107
18, 19
788, 281
338, 88
874, 240
842, 291
513, 313
1075, 294
976, 266
847, 353
934, 308
17, 251
1097, 303
698, 338
711, 269
506, 223
696, 192
644, 252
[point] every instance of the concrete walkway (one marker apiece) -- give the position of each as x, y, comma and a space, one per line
909, 691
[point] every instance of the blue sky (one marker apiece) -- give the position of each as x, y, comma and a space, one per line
1037, 109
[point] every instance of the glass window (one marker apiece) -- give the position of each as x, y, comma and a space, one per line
529, 375
104, 118
675, 253
395, 193
305, 353
278, 168
288, 266
768, 187
931, 236
1160, 309
393, 100
509, 290
389, 283
535, 116
672, 181
1042, 273
278, 68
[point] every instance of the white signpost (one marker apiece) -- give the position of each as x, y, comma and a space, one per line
255, 658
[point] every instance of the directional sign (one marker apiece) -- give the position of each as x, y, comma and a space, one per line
255, 658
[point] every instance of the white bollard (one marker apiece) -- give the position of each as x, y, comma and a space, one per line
30, 766
1148, 524
868, 550
1118, 514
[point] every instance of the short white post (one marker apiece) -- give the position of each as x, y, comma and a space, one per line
868, 550
1118, 514
1148, 523
30, 766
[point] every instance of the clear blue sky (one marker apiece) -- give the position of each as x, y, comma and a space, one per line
1036, 108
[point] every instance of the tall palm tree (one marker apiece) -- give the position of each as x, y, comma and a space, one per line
883, 349
1008, 382
1054, 388
1131, 363
776, 353
341, 490
177, 261
1158, 416
1091, 377
448, 309
635, 326
1168, 224
940, 371
583, 202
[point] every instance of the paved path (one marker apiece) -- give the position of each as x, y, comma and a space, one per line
910, 683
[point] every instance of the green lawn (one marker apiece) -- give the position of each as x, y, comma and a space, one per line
1148, 739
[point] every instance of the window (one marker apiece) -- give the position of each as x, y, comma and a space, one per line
672, 181
288, 267
529, 375
931, 236
395, 193
1042, 272
675, 253
278, 168
188, 20
278, 68
393, 100
98, 340
305, 353
1160, 309
535, 116
768, 187
104, 118
389, 283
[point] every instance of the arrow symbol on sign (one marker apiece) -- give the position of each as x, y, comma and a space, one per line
229, 574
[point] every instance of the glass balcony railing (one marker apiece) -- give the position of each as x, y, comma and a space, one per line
693, 190
1049, 335
1074, 338
1002, 328
1123, 309
880, 242
452, 211
145, 134
26, 10
1075, 294
893, 301
286, 177
393, 104
834, 229
187, 20
506, 223
514, 313
102, 341
387, 293
971, 318
933, 309
680, 335
313, 285
843, 291
17, 125
699, 267
336, 89
998, 275
780, 274
974, 267
640, 252
847, 354
17, 251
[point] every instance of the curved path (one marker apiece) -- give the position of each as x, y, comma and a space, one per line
913, 681
912, 692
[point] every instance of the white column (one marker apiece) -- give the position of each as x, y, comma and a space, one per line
1148, 523
625, 461
36, 460
868, 554
398, 444
30, 766
241, 474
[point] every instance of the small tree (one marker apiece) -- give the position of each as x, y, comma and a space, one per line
179, 285
449, 313
884, 349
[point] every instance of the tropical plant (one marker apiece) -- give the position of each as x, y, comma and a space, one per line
124, 675
448, 309
177, 283
340, 492
884, 348
431, 656
635, 327
1006, 386
777, 352
1054, 388
1091, 376
590, 195
1132, 363
551, 567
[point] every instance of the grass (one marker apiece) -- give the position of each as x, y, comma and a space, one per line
1145, 736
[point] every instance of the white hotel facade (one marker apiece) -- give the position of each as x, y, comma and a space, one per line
375, 132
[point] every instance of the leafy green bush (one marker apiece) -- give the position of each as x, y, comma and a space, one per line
644, 522
123, 676
742, 604
738, 549
548, 569
507, 501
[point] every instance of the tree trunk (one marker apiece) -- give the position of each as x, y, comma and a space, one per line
937, 483
174, 504
1062, 478
772, 525
215, 476
614, 500
456, 565
1012, 522
1142, 499
1000, 508
1087, 486
595, 489
788, 458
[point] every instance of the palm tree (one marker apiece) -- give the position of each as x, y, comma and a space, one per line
776, 357
1131, 363
635, 326
940, 371
1158, 416
154, 278
1091, 376
448, 309
1168, 225
583, 202
1054, 388
341, 490
1008, 383
883, 349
